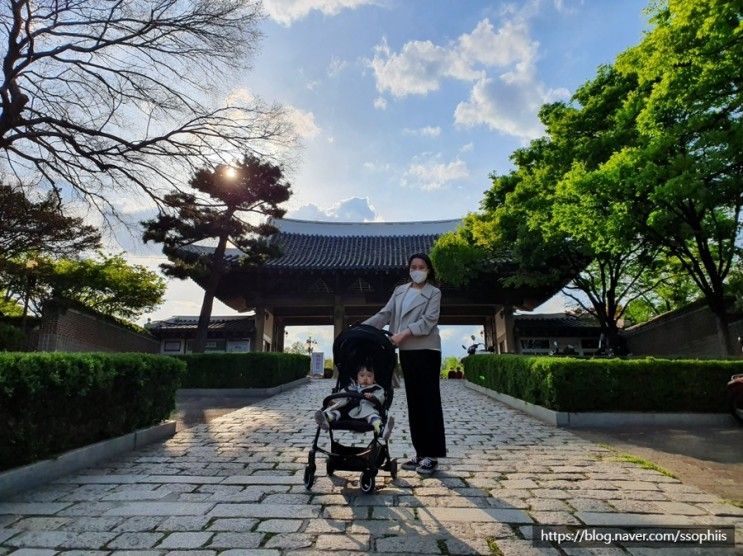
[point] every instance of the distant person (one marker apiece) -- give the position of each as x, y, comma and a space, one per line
413, 315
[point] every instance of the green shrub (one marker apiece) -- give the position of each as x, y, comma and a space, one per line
52, 402
12, 338
243, 370
569, 384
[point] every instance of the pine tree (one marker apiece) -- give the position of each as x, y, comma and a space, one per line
229, 206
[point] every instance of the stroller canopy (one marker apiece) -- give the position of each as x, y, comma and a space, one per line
363, 344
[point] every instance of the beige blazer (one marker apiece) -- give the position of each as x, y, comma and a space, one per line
421, 317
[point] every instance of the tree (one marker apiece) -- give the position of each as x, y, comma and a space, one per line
551, 221
40, 227
111, 286
99, 95
108, 285
687, 168
229, 193
672, 290
297, 347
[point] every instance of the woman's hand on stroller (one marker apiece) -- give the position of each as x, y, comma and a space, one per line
400, 337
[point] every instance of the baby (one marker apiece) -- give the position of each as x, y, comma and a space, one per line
361, 409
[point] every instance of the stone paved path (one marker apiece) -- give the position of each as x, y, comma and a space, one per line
234, 486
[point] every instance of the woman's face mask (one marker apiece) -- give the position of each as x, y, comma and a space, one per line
418, 276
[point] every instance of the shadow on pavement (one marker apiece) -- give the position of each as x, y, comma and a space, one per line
710, 458
192, 410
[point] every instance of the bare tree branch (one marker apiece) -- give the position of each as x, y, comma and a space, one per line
103, 95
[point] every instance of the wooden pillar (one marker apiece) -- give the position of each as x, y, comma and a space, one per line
260, 327
279, 334
489, 327
339, 316
504, 330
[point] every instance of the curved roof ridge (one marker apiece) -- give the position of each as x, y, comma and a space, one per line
365, 229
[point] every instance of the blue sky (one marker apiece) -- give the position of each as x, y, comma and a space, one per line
404, 107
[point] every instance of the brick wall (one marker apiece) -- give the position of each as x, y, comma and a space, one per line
73, 330
687, 332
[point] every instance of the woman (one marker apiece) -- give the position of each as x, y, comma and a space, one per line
413, 314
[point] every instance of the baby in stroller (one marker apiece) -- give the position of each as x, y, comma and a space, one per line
357, 408
359, 403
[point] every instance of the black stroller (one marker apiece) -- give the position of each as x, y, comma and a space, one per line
356, 345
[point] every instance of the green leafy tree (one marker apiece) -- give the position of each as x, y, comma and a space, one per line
227, 197
28, 226
671, 290
687, 168
297, 347
551, 221
107, 284
110, 285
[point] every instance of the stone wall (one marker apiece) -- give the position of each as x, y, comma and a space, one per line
73, 330
687, 332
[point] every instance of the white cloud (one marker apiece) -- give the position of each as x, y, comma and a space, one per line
427, 131
375, 168
467, 148
355, 209
418, 69
501, 63
509, 45
303, 122
380, 103
312, 85
239, 97
287, 12
508, 107
336, 66
429, 174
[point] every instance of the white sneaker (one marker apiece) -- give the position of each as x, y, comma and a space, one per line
427, 466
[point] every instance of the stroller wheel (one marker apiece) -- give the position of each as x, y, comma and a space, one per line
329, 469
393, 468
309, 476
367, 482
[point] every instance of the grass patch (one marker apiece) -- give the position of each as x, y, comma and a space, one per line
493, 546
267, 537
737, 503
645, 464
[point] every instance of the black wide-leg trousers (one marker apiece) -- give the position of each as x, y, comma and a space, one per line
421, 369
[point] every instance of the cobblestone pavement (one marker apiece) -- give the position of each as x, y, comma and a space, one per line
234, 486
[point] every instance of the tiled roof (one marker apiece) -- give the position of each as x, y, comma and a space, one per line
236, 323
347, 246
554, 323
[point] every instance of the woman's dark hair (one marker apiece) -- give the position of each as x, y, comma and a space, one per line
425, 258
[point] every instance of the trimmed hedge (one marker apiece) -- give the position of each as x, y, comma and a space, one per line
53, 402
12, 338
243, 370
568, 384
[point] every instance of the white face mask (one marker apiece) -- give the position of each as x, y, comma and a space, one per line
418, 276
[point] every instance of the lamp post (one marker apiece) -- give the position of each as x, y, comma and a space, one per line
311, 343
